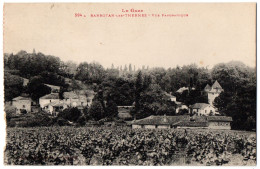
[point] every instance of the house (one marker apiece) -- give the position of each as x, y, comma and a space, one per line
52, 97
202, 109
171, 97
180, 106
182, 89
160, 122
195, 122
55, 107
219, 122
22, 103
54, 89
71, 98
213, 91
76, 99
124, 112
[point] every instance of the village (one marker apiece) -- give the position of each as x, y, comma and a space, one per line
199, 115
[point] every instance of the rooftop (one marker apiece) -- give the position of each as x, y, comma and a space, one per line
219, 118
216, 85
70, 95
51, 96
157, 120
53, 87
21, 98
191, 124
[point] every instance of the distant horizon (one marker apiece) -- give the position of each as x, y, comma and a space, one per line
127, 64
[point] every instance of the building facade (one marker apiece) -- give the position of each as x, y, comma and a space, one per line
213, 91
167, 122
202, 109
52, 97
22, 103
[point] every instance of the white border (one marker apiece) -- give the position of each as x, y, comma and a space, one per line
2, 122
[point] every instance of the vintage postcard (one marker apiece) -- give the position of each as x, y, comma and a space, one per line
150, 84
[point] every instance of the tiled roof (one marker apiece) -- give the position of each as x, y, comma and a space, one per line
21, 98
56, 104
199, 105
219, 118
70, 95
157, 120
191, 124
207, 88
169, 95
53, 87
180, 90
216, 85
51, 96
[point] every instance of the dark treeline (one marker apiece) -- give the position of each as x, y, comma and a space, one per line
146, 88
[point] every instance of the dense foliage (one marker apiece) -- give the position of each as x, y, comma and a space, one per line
239, 97
124, 146
143, 88
13, 86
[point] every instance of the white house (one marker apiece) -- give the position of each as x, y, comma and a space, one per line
202, 109
76, 99
171, 97
55, 107
52, 97
22, 103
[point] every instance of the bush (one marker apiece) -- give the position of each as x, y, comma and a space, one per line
9, 112
183, 112
81, 121
71, 114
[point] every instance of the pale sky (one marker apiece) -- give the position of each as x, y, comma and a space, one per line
211, 34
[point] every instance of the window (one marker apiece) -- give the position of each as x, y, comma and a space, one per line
50, 100
205, 111
23, 106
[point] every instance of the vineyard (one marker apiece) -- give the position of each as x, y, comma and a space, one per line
125, 146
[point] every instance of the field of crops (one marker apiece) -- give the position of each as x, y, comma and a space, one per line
125, 146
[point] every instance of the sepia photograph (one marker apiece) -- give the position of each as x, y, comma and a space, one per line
129, 84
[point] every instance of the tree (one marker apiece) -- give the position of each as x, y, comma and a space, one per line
13, 86
111, 109
36, 88
130, 67
192, 97
90, 73
239, 97
138, 90
71, 114
96, 110
153, 101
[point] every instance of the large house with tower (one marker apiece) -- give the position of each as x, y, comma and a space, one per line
213, 91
